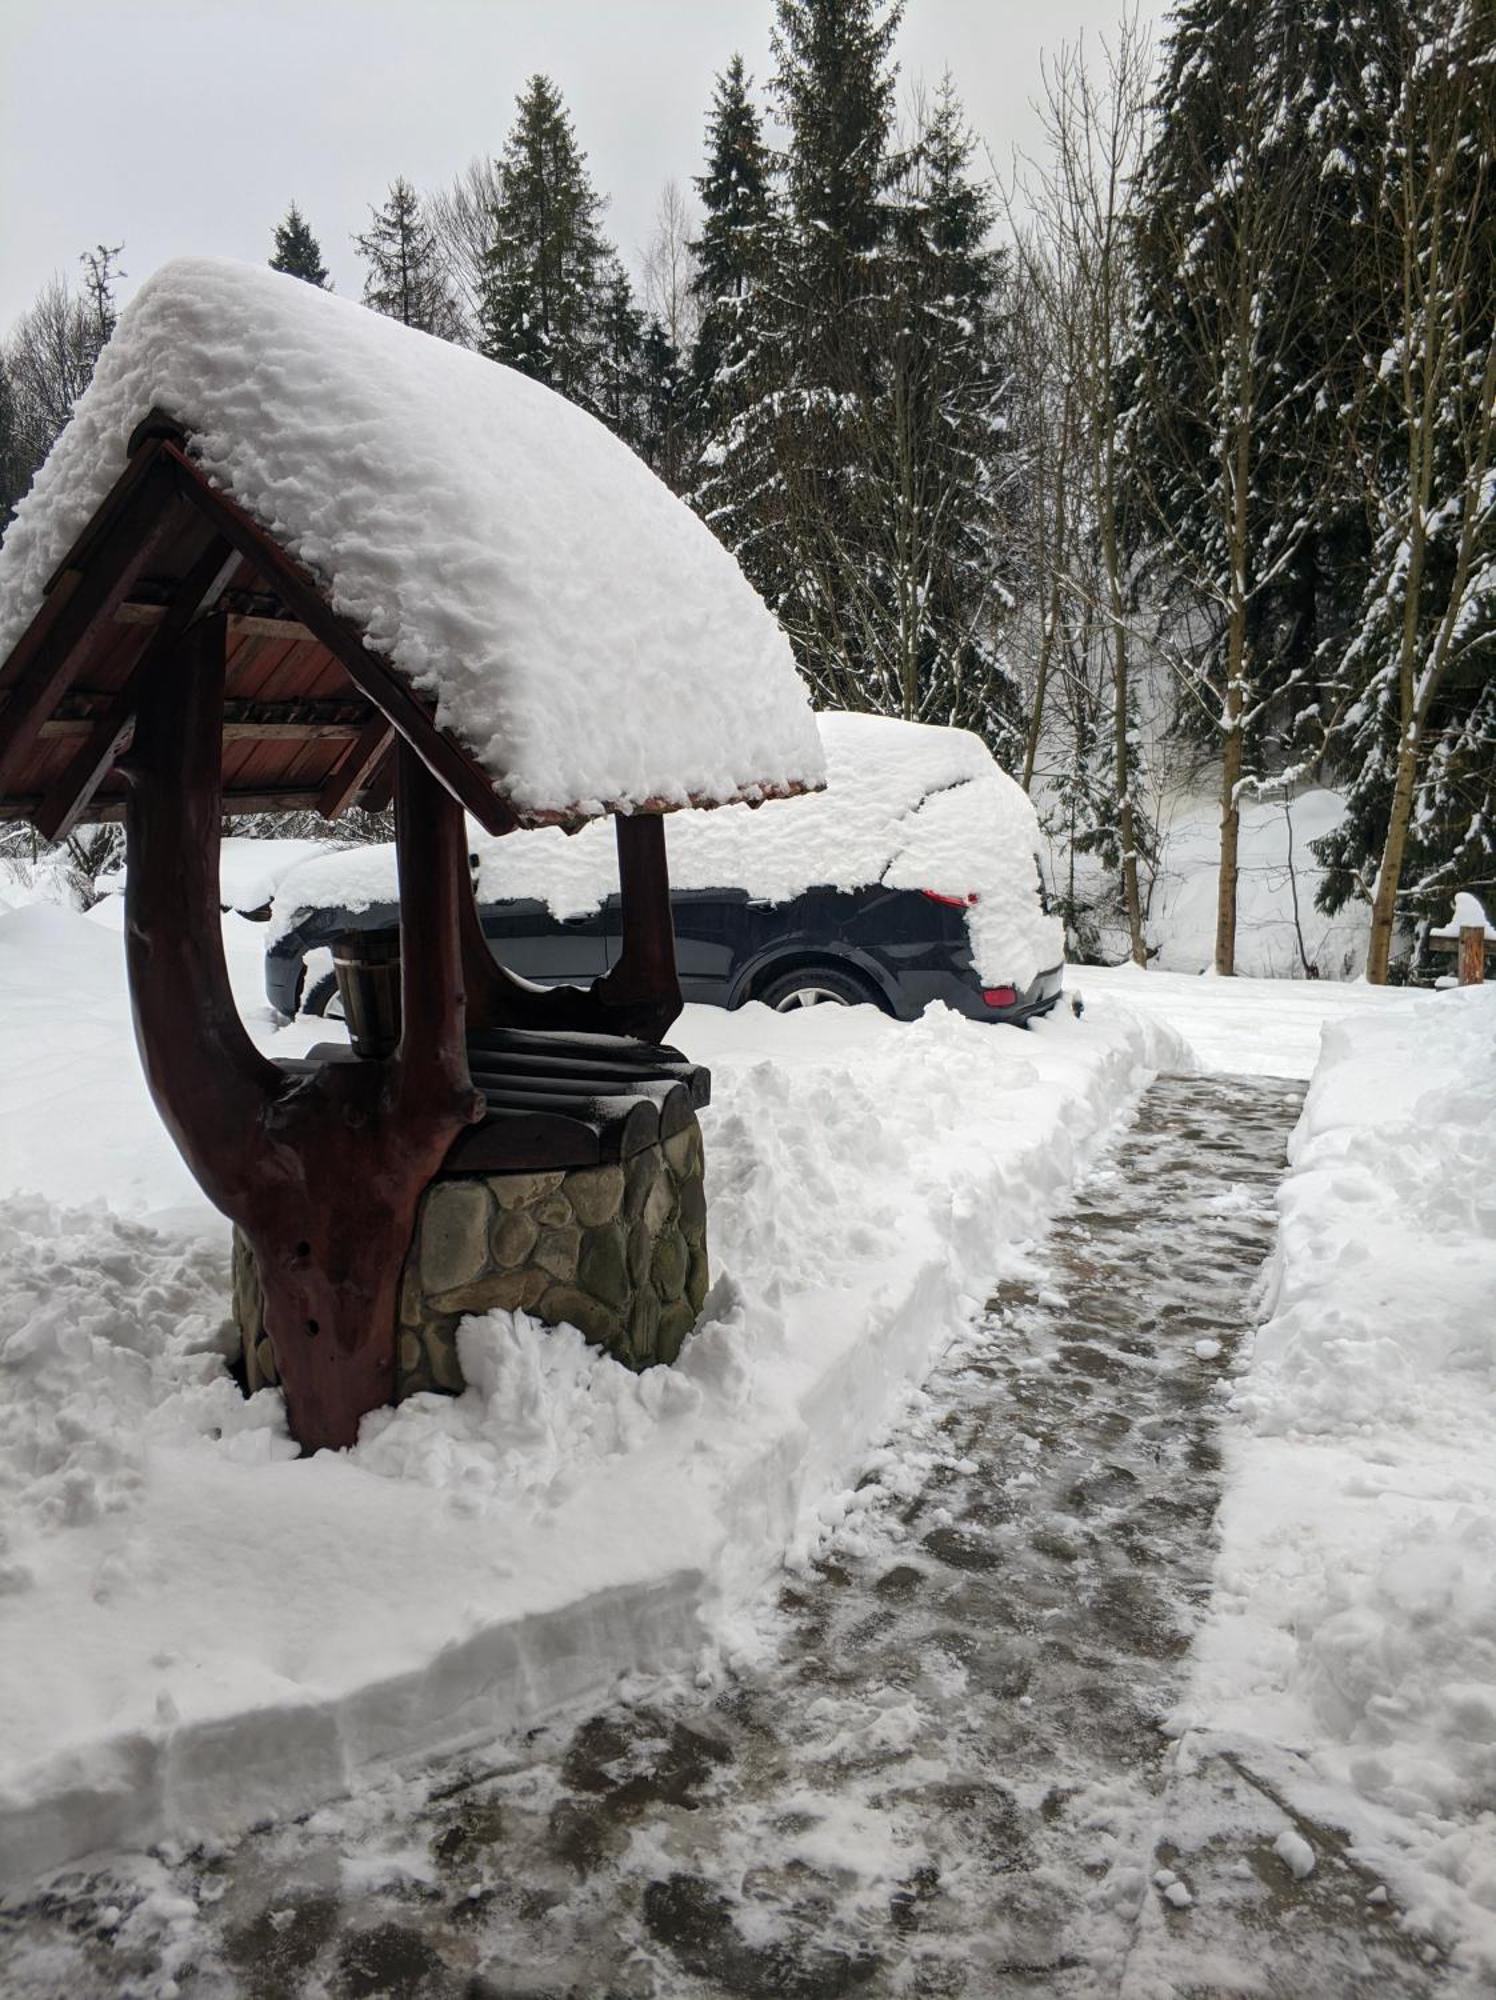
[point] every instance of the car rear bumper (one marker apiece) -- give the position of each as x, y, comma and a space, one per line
964, 994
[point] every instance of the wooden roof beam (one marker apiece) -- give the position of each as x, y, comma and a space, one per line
242, 624
379, 792
66, 799
355, 767
144, 513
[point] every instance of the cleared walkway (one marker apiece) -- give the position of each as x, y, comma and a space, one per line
940, 1769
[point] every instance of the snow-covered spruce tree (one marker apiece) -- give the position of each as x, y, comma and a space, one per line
847, 366
407, 275
664, 408
730, 251
617, 391
1420, 731
729, 363
1339, 61
297, 251
825, 327
934, 432
548, 272
1227, 269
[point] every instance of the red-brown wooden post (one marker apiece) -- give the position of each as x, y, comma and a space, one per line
1472, 954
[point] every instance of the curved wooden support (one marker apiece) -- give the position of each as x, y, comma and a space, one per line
644, 983
435, 885
322, 1173
209, 1081
639, 996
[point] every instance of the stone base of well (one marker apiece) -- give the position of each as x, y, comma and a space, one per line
619, 1252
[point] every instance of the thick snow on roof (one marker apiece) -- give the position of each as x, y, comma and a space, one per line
586, 637
905, 805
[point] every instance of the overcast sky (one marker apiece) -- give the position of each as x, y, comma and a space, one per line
185, 126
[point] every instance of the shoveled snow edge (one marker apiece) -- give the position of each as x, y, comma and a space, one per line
212, 1775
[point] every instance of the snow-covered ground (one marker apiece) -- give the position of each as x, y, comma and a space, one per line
192, 1639
201, 1630
1244, 1026
1353, 1628
1277, 924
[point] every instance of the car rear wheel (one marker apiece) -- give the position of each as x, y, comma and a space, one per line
324, 999
816, 986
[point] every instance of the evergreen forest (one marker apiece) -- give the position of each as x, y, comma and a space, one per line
1165, 455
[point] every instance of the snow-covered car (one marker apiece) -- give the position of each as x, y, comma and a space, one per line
912, 878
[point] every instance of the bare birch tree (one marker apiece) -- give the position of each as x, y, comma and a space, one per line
1071, 214
669, 268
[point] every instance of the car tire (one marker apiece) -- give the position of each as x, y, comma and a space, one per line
323, 998
816, 986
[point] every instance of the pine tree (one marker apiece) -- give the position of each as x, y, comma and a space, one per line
297, 251
737, 366
849, 375
617, 386
664, 406
407, 278
1419, 731
801, 522
101, 274
731, 251
935, 444
548, 277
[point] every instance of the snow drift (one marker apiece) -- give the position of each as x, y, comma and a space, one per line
1355, 1612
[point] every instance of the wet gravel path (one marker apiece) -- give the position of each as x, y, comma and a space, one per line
941, 1773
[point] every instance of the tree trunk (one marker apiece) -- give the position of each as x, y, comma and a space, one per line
1389, 872
1232, 763
1132, 901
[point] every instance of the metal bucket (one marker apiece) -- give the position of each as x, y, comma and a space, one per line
367, 968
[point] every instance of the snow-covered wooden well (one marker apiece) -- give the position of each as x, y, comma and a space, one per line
287, 555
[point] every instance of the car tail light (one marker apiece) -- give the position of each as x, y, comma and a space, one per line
999, 996
951, 902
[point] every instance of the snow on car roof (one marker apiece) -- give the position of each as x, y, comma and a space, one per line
907, 805
585, 636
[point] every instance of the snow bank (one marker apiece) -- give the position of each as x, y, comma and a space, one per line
507, 553
907, 805
1246, 1027
1355, 1608
201, 1630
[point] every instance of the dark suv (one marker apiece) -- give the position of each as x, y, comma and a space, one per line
900, 948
